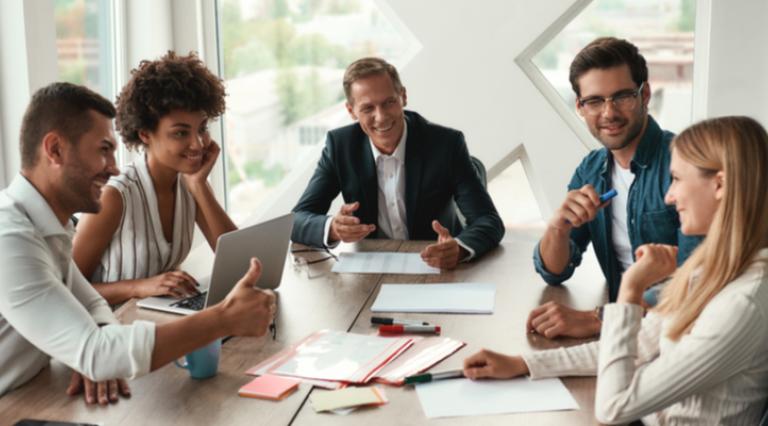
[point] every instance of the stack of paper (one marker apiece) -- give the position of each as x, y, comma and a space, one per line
335, 356
464, 397
462, 298
346, 398
382, 263
269, 387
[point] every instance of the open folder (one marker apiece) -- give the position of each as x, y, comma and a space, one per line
336, 356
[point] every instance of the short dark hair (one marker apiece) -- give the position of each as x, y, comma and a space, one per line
608, 52
366, 67
60, 107
158, 87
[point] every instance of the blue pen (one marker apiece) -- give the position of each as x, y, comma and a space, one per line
608, 195
603, 199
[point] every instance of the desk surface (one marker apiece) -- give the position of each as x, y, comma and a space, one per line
312, 298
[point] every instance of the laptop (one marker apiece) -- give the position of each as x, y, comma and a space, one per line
267, 241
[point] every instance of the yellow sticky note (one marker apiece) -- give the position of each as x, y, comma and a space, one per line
345, 398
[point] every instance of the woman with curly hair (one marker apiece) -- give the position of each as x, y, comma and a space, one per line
700, 357
134, 245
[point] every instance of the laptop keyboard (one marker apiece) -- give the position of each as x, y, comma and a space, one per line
195, 303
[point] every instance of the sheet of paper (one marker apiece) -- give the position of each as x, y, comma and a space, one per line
345, 398
461, 298
334, 356
382, 263
464, 397
269, 387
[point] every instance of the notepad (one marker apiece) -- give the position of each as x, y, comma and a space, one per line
382, 263
346, 398
269, 387
459, 298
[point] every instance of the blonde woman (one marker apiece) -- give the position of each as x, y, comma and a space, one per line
701, 356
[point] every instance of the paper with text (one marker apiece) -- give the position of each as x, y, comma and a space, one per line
382, 263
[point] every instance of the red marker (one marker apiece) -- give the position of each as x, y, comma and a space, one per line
401, 329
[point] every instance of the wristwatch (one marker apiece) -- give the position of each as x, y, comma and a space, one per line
599, 313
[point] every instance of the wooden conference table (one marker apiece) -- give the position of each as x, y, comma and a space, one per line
312, 298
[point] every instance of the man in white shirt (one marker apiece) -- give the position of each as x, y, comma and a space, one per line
398, 174
47, 308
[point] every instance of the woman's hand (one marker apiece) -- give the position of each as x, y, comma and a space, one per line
654, 262
493, 365
211, 152
172, 283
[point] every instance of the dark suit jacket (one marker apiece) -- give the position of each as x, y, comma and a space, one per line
437, 169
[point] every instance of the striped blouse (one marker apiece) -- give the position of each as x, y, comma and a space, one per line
138, 248
715, 375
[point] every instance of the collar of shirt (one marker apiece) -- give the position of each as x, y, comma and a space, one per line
399, 153
39, 211
646, 149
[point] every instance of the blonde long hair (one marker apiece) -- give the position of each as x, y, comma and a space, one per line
738, 146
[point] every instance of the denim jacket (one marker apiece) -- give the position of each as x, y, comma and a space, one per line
649, 220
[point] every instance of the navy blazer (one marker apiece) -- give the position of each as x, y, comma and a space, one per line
437, 169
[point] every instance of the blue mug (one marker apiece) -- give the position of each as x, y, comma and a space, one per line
203, 362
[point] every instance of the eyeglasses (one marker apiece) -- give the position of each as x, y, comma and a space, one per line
302, 262
624, 100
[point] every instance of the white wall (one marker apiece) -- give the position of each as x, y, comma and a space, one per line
737, 70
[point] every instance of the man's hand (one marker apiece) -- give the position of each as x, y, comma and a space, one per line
247, 310
653, 263
346, 227
446, 253
102, 392
171, 283
553, 319
580, 206
492, 365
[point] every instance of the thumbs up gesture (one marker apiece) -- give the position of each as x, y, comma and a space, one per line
446, 252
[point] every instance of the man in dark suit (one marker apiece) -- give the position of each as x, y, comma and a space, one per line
397, 173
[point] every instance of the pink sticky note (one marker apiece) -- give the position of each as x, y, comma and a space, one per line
269, 386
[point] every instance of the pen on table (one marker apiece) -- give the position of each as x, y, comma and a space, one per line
604, 198
430, 377
393, 321
400, 329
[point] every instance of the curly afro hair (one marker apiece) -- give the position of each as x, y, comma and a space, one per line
158, 87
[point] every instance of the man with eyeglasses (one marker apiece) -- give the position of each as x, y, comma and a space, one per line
610, 78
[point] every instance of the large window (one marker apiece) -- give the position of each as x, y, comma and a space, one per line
663, 30
283, 62
84, 43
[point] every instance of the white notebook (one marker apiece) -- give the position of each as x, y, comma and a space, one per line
458, 298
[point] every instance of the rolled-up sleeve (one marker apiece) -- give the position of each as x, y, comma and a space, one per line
554, 279
64, 323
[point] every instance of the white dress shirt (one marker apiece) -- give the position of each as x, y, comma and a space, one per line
715, 375
48, 309
390, 174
